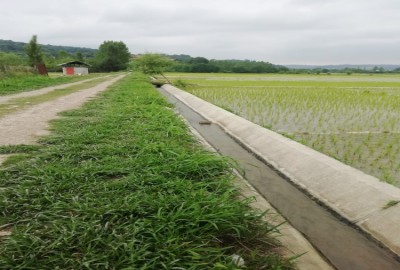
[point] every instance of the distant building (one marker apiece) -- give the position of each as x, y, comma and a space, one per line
75, 68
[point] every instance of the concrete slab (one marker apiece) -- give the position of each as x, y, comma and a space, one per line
294, 243
355, 196
385, 226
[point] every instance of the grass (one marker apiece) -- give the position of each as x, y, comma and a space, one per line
390, 203
122, 185
351, 118
21, 148
13, 85
25, 102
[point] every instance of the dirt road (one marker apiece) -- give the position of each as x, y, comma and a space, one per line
42, 91
24, 127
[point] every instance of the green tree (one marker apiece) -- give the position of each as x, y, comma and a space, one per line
10, 59
199, 60
204, 68
79, 56
32, 49
396, 70
153, 64
112, 56
62, 55
52, 63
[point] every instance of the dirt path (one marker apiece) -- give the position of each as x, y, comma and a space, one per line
6, 98
2, 158
23, 127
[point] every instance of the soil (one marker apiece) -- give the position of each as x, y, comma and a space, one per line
2, 158
5, 232
24, 127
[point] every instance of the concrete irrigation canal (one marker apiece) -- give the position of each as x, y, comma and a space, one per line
343, 212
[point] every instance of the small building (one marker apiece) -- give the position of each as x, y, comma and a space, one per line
75, 68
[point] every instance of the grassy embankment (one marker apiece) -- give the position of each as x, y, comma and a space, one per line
122, 185
351, 118
13, 85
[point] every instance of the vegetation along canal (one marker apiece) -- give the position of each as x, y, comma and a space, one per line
341, 244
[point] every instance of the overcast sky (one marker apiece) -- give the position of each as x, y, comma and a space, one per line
278, 31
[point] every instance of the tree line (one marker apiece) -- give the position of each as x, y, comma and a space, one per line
186, 63
18, 48
115, 56
156, 64
111, 56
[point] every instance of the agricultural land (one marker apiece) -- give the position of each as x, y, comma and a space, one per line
353, 118
121, 184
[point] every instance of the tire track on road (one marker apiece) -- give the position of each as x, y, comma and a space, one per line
24, 127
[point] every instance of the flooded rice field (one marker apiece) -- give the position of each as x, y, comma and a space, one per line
354, 119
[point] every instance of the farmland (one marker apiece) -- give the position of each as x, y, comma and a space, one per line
121, 184
351, 118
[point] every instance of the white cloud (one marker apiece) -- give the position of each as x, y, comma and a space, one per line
282, 32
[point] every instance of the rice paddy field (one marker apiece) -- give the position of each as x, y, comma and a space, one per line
353, 118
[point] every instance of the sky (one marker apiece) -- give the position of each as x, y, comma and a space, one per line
314, 32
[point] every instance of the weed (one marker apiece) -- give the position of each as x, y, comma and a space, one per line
390, 204
180, 84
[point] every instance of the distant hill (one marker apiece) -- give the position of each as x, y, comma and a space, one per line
18, 48
341, 67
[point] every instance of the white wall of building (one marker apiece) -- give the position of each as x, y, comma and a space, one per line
81, 71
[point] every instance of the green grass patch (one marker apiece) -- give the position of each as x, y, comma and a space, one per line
122, 185
15, 158
20, 148
390, 203
13, 85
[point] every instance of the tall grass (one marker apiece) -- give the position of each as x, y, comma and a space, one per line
122, 185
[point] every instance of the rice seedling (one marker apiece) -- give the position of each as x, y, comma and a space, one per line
352, 118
